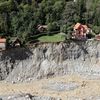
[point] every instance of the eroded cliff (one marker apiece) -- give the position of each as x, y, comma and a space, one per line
49, 60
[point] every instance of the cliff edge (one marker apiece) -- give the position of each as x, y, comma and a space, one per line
50, 59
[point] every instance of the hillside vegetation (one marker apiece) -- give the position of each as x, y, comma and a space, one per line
21, 17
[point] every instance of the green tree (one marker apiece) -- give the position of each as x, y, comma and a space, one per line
69, 15
53, 27
81, 9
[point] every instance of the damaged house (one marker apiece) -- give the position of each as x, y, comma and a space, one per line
80, 31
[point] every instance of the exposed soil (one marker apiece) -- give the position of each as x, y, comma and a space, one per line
69, 71
86, 89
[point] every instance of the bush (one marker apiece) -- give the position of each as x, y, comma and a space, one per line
53, 27
63, 29
66, 29
96, 29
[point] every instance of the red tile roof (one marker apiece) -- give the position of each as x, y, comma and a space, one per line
85, 26
77, 26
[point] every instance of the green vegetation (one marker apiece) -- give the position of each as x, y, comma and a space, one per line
52, 38
20, 18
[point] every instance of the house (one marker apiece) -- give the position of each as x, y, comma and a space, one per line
2, 44
80, 31
42, 28
15, 42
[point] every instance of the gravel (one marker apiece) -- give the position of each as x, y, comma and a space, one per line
27, 97
61, 86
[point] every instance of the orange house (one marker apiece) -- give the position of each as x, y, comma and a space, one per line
80, 31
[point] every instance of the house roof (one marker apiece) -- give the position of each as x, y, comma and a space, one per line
77, 26
14, 39
85, 26
2, 40
42, 26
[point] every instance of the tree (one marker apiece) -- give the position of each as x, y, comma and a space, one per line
69, 15
53, 27
81, 9
21, 17
22, 23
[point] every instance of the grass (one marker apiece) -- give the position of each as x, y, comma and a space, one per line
52, 38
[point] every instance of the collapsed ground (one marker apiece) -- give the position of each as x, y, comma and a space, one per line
64, 70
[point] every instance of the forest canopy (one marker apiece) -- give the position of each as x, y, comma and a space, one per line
21, 17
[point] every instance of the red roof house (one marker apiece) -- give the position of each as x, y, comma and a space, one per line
2, 44
80, 31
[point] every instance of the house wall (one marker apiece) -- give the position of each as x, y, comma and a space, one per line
2, 46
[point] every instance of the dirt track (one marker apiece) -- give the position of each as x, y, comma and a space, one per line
86, 87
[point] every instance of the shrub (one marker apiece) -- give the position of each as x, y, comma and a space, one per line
67, 29
53, 27
96, 29
63, 29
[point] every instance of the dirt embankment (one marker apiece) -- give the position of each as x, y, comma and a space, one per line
49, 60
68, 71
